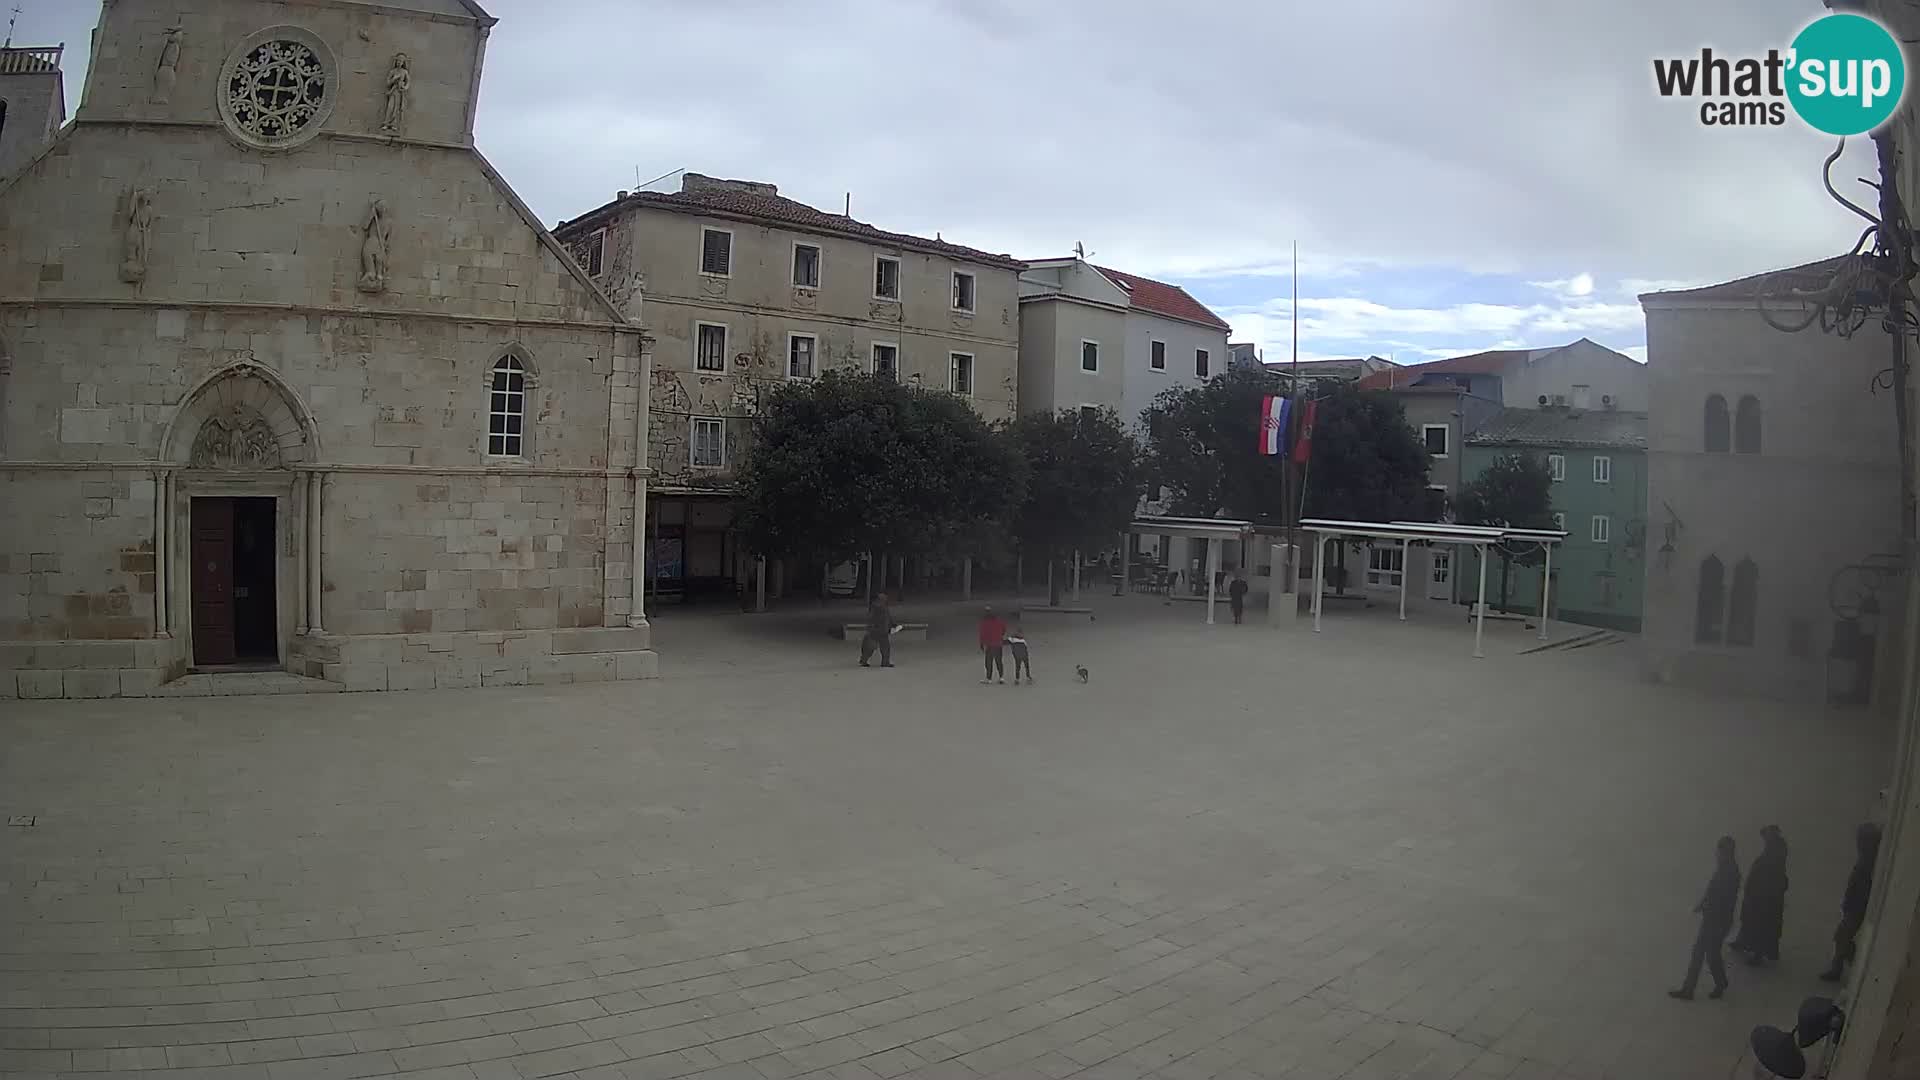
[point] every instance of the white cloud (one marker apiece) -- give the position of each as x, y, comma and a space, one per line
1580, 284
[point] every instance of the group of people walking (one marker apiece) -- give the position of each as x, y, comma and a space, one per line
1764, 907
997, 637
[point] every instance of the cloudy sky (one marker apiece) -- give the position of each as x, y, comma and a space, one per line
1459, 174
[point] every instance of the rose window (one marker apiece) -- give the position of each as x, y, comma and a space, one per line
276, 90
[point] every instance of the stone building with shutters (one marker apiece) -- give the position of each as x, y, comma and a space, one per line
297, 382
747, 289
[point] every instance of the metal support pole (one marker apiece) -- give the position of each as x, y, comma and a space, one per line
1076, 575
966, 578
1213, 574
1480, 606
1403, 579
1126, 556
1546, 593
760, 583
1319, 576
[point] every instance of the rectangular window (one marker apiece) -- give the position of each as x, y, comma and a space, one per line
1603, 470
1385, 565
886, 361
1602, 529
1557, 466
709, 443
800, 350
1560, 522
806, 266
1089, 356
886, 277
962, 291
1442, 563
593, 254
507, 412
1159, 360
1200, 362
1089, 412
716, 252
960, 373
1435, 436
709, 347
1583, 397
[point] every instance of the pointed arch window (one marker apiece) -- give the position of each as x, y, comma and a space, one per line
1746, 426
1711, 601
1744, 605
507, 408
1718, 425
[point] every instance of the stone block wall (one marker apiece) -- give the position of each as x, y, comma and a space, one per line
444, 661
456, 553
76, 555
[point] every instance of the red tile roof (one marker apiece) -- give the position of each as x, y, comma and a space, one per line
1491, 362
1164, 299
758, 207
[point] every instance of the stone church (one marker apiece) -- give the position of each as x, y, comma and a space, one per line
290, 379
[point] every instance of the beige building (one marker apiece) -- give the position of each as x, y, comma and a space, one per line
1773, 495
1093, 336
33, 102
746, 290
296, 380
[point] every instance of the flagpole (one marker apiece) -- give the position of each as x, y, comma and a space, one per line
1286, 466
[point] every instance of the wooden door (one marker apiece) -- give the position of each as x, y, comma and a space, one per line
212, 577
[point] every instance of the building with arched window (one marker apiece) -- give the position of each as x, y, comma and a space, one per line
33, 103
295, 381
1772, 501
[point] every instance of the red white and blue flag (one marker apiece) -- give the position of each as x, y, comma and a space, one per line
1274, 411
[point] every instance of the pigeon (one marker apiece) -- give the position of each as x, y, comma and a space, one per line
1081, 671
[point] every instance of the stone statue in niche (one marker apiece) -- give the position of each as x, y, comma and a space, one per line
169, 67
235, 438
136, 228
399, 81
377, 235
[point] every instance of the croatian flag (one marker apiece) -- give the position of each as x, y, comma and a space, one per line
1274, 410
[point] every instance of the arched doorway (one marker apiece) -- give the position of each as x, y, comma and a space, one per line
234, 510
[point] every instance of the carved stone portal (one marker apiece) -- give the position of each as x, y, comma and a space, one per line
235, 438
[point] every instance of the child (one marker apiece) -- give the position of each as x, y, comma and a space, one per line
1017, 640
993, 636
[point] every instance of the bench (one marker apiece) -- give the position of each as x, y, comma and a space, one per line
913, 631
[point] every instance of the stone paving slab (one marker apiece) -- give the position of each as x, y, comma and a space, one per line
1237, 852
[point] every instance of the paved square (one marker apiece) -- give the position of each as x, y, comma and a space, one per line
1237, 852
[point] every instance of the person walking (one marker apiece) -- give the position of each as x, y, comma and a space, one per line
1237, 598
1716, 918
1764, 907
879, 633
1017, 643
1853, 906
993, 639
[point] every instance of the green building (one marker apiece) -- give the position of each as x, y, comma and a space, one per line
1599, 463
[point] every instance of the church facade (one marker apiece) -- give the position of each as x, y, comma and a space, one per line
293, 380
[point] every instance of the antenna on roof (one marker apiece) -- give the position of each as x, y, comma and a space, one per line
1079, 251
10, 22
848, 212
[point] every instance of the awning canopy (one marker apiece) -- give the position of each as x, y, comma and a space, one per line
1192, 528
1429, 532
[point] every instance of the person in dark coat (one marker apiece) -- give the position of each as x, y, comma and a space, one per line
1716, 918
1765, 904
1237, 597
1853, 906
879, 633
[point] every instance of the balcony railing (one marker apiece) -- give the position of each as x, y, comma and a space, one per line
29, 61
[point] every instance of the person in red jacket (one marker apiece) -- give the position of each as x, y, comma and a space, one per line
993, 640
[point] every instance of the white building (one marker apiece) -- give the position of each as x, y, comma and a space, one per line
1091, 336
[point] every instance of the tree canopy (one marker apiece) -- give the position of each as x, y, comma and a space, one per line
1516, 491
1083, 480
849, 463
1203, 446
1367, 464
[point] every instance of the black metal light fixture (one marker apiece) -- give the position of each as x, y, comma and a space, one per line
1783, 1053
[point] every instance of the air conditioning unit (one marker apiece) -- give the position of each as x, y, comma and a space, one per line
1543, 400
1559, 399
1606, 401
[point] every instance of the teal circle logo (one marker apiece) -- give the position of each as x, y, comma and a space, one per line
1847, 74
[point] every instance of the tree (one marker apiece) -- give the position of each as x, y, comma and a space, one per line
1515, 491
851, 463
1083, 482
1203, 446
1366, 465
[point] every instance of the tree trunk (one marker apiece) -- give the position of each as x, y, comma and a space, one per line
1506, 570
1053, 579
1340, 569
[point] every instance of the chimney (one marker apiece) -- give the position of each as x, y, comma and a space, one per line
695, 182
